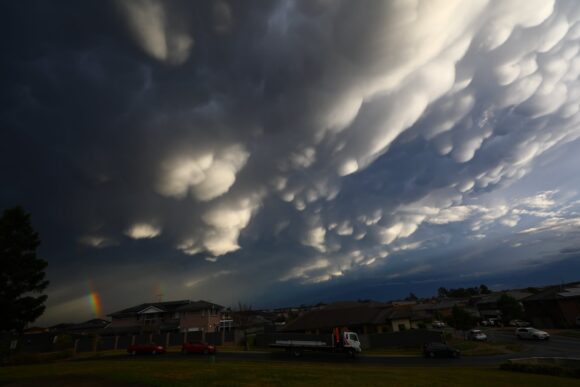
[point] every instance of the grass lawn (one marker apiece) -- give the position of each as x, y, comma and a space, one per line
574, 333
477, 348
203, 372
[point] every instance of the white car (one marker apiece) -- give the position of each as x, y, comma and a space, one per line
532, 334
438, 324
477, 335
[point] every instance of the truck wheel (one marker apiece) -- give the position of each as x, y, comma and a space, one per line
431, 354
297, 353
351, 353
154, 352
133, 353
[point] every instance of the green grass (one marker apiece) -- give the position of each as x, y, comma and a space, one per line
567, 333
393, 351
203, 372
478, 348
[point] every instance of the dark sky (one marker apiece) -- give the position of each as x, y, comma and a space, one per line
287, 152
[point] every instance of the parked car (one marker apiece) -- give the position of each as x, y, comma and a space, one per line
519, 323
438, 324
477, 335
141, 349
532, 334
491, 322
440, 350
198, 347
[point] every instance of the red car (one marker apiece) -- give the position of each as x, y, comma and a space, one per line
152, 349
204, 348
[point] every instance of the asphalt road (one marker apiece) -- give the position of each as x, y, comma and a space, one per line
557, 346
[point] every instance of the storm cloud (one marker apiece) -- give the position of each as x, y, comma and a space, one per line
230, 149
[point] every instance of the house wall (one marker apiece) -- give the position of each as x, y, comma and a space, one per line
199, 319
124, 322
570, 311
405, 322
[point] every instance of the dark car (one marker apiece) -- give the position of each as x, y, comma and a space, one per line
440, 350
202, 348
141, 349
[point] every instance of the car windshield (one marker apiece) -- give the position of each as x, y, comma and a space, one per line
353, 337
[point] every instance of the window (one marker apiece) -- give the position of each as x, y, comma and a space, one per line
353, 337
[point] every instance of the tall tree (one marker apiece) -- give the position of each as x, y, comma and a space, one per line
461, 319
243, 321
510, 308
22, 276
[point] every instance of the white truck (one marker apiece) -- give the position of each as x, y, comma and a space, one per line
339, 342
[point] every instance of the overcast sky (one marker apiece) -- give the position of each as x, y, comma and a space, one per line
288, 152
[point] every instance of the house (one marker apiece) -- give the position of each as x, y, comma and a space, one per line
361, 317
438, 310
356, 316
176, 316
487, 305
554, 306
88, 327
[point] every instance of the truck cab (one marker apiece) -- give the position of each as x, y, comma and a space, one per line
350, 340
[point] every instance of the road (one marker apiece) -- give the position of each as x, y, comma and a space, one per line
557, 346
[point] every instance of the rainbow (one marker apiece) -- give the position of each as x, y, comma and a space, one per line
95, 301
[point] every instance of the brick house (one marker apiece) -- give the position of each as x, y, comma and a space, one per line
176, 316
555, 306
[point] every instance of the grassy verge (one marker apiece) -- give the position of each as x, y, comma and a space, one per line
201, 372
476, 348
394, 351
567, 333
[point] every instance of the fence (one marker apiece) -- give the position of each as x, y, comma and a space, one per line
49, 342
411, 338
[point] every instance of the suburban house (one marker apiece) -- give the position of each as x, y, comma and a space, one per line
171, 316
361, 317
438, 310
88, 327
554, 306
487, 305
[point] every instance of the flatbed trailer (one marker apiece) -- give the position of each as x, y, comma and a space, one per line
297, 344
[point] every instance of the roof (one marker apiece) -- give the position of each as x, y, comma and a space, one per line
198, 305
559, 292
168, 306
494, 297
443, 304
336, 316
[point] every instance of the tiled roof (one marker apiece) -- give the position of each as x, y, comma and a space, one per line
169, 306
328, 318
559, 292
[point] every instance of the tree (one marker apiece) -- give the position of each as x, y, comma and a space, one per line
411, 297
243, 320
22, 276
442, 292
461, 319
483, 289
510, 308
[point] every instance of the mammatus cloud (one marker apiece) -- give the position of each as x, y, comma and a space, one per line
316, 141
160, 34
483, 95
143, 231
